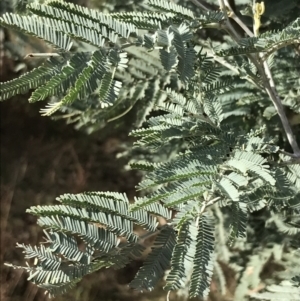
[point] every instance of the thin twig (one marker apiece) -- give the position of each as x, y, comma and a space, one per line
232, 68
205, 204
41, 55
229, 25
267, 53
288, 154
213, 201
168, 296
233, 16
295, 161
121, 115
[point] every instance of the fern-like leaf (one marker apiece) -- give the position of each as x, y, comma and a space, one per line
203, 259
157, 261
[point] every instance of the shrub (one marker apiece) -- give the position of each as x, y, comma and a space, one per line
217, 142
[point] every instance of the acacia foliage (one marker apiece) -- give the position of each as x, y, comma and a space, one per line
212, 155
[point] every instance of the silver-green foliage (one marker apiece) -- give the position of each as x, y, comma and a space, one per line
215, 171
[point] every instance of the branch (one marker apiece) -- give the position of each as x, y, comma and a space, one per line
271, 90
232, 68
278, 46
269, 84
207, 203
238, 20
290, 162
230, 28
293, 156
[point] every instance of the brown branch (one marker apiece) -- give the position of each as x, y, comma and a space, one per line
272, 92
269, 84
